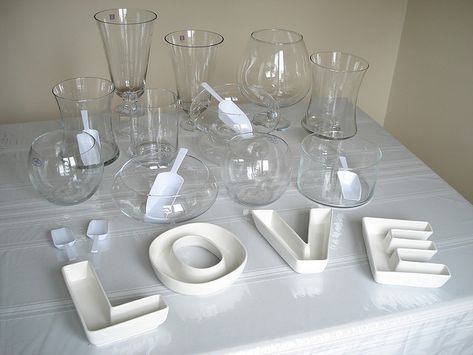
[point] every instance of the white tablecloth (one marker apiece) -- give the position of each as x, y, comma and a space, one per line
270, 308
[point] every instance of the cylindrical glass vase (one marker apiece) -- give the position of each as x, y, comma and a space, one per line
193, 54
323, 178
336, 81
155, 125
85, 105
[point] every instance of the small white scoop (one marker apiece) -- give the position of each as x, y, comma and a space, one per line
165, 187
85, 122
230, 113
97, 231
89, 156
349, 181
64, 239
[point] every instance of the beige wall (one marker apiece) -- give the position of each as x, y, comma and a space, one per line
45, 41
431, 105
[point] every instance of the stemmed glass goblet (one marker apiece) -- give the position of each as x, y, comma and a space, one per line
126, 35
277, 61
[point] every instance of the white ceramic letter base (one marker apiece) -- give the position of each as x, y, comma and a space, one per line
181, 277
399, 253
103, 323
304, 258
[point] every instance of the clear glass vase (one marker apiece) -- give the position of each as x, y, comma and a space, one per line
126, 35
337, 78
85, 105
277, 61
320, 166
193, 54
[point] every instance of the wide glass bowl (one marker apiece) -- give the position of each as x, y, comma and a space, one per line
262, 111
320, 167
132, 185
257, 168
65, 167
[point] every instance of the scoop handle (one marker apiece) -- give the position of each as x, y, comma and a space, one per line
178, 161
212, 91
343, 162
85, 119
70, 251
95, 244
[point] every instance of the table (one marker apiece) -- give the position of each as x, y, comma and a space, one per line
270, 308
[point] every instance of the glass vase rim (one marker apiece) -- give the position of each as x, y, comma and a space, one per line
256, 135
219, 36
300, 39
375, 148
172, 94
108, 93
154, 16
71, 133
365, 67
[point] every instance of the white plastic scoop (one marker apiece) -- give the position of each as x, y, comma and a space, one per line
64, 239
97, 231
165, 187
230, 113
349, 181
89, 156
85, 122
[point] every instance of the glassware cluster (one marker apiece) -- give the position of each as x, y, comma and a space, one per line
336, 167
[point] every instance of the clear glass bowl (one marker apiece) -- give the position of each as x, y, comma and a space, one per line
65, 167
318, 177
133, 182
257, 168
262, 110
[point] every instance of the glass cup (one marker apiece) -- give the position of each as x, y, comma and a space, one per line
318, 176
337, 78
155, 125
257, 168
65, 167
277, 61
85, 104
193, 54
126, 35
